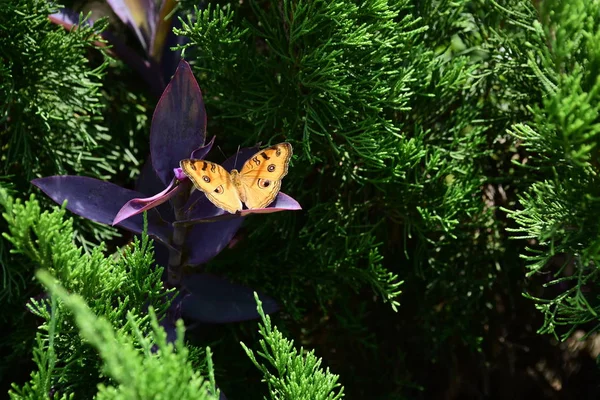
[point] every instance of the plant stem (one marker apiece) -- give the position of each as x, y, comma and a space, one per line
179, 233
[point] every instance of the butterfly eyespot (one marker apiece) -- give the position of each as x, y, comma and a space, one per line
219, 189
264, 183
271, 167
205, 178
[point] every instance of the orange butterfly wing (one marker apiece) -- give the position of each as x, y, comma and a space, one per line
260, 177
215, 182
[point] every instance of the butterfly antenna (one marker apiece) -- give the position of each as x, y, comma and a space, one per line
236, 156
221, 150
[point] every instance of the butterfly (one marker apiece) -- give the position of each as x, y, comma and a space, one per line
256, 184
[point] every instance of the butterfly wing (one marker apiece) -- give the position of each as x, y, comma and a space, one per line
215, 182
261, 175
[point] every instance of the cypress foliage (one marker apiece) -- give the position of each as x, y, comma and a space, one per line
50, 103
558, 215
137, 373
112, 287
50, 122
296, 375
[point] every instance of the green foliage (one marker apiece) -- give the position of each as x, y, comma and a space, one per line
297, 375
57, 115
54, 119
113, 286
558, 215
40, 386
50, 100
13, 279
140, 371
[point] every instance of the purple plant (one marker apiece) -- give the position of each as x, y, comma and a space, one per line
152, 24
187, 228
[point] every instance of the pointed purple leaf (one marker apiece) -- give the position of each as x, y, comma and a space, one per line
202, 208
170, 330
237, 160
148, 184
101, 201
139, 205
213, 299
178, 124
201, 152
282, 202
151, 16
122, 11
148, 69
205, 241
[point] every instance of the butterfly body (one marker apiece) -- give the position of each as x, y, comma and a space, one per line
256, 184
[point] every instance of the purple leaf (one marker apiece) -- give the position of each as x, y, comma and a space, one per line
101, 201
170, 329
205, 241
121, 9
201, 152
139, 15
178, 124
162, 29
148, 69
139, 205
282, 202
212, 299
202, 208
237, 161
148, 183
